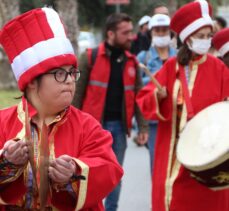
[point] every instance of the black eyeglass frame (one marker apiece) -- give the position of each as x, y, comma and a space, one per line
71, 72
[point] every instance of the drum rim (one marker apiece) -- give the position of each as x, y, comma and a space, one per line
210, 163
206, 166
219, 188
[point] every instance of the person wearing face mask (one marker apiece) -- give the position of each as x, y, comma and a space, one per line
154, 58
221, 44
191, 81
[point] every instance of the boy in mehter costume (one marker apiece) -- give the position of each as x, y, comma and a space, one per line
191, 82
82, 168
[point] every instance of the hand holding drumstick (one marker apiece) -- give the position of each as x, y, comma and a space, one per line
162, 93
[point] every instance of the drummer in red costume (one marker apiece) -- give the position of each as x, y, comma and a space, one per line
191, 82
82, 168
221, 43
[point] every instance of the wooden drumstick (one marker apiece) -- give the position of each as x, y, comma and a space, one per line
153, 79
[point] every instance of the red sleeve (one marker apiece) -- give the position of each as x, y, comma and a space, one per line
104, 171
225, 88
97, 163
11, 184
2, 138
147, 96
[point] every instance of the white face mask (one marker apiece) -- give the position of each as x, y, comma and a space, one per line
200, 46
159, 41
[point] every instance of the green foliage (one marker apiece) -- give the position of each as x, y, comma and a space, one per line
94, 13
26, 5
7, 98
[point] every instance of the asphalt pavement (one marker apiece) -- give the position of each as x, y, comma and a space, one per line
136, 183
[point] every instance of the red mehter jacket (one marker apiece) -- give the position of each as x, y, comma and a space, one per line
76, 134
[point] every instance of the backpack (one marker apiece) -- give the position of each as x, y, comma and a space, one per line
92, 54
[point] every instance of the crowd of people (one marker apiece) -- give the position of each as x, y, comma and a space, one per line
63, 146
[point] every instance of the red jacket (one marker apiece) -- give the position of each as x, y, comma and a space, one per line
173, 187
76, 134
95, 97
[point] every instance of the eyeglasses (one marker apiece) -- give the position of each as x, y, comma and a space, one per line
61, 74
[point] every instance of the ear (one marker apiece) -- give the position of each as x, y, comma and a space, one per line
32, 84
110, 35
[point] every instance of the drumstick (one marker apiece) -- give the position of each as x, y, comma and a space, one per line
28, 139
153, 79
43, 168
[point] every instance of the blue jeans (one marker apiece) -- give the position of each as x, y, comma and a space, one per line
151, 141
119, 147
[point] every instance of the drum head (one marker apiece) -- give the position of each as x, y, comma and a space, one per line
204, 142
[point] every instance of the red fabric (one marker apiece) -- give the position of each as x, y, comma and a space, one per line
95, 97
89, 56
23, 33
186, 15
211, 86
181, 76
80, 136
221, 38
44, 66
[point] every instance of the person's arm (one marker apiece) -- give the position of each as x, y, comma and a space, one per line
8, 171
142, 123
152, 102
81, 84
64, 177
225, 87
97, 168
141, 57
11, 175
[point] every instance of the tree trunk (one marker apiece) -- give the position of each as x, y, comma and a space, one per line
8, 10
172, 5
68, 12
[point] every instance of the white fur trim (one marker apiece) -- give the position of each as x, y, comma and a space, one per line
197, 24
224, 49
40, 52
54, 22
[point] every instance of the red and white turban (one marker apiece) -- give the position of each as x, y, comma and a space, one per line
36, 42
221, 41
190, 18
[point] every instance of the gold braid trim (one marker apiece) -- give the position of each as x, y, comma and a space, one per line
82, 184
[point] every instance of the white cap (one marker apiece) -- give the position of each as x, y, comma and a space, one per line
159, 20
145, 19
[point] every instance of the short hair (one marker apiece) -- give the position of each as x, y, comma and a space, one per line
221, 21
159, 4
114, 19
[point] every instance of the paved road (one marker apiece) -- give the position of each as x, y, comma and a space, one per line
136, 186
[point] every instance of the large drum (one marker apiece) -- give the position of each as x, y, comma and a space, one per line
203, 146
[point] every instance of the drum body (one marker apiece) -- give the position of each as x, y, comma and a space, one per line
203, 146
